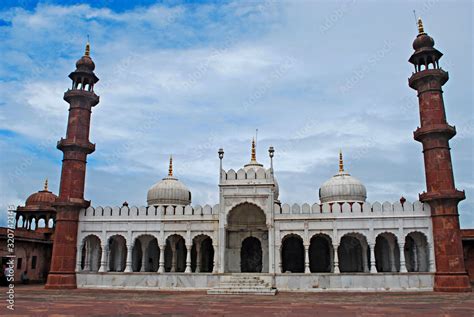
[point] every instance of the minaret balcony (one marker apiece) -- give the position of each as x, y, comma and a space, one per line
75, 145
90, 97
453, 194
442, 129
428, 75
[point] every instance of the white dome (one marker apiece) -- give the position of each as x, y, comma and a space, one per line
169, 191
342, 187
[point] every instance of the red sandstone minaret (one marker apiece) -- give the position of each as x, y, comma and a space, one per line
76, 147
442, 195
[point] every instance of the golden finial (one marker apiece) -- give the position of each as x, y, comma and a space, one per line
46, 184
341, 162
254, 155
170, 169
421, 30
88, 47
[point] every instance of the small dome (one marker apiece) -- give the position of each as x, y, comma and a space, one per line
423, 41
342, 187
169, 191
85, 63
41, 198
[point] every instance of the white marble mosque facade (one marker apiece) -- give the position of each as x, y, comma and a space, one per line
341, 242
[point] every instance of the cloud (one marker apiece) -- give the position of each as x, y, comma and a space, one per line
188, 79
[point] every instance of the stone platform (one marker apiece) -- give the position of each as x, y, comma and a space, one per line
297, 282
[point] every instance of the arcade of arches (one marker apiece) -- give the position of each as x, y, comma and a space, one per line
247, 251
147, 256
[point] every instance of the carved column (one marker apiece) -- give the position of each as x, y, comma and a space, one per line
403, 267
306, 259
373, 268
103, 259
161, 267
215, 267
78, 258
336, 259
128, 263
188, 258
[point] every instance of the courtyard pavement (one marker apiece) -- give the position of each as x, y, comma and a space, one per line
34, 300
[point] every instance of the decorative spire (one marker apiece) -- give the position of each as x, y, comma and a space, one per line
88, 47
46, 185
170, 169
254, 155
341, 162
421, 30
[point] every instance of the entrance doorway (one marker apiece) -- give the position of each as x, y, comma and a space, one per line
246, 247
251, 256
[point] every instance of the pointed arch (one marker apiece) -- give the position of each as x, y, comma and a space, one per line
292, 254
320, 253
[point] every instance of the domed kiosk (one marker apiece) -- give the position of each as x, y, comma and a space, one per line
342, 187
169, 191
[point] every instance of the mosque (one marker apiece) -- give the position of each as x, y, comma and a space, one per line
251, 242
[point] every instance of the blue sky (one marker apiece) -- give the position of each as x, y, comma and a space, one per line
188, 77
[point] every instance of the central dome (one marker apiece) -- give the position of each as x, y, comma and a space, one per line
169, 191
342, 187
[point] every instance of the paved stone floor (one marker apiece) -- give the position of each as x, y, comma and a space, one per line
34, 300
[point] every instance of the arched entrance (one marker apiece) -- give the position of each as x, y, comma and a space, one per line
247, 240
145, 254
387, 253
292, 254
320, 250
91, 254
416, 252
353, 253
251, 256
117, 253
175, 254
202, 254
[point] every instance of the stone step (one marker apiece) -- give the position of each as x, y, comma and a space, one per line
232, 285
241, 291
243, 281
251, 285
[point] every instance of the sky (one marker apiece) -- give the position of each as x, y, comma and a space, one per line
188, 77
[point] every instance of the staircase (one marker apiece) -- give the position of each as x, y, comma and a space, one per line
242, 284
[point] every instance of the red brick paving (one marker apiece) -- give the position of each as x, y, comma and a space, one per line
34, 300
